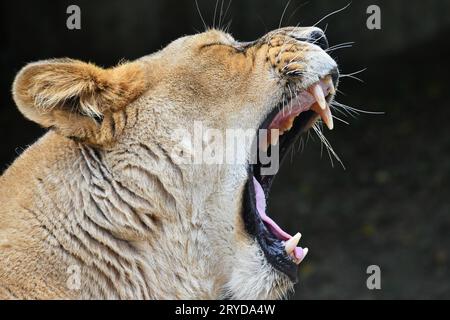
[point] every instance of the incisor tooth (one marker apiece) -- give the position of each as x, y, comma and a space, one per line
318, 94
291, 244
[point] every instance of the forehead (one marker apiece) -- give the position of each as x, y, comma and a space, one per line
205, 38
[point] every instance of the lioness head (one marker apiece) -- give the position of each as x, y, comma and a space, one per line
197, 226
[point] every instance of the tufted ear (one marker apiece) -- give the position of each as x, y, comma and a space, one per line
78, 99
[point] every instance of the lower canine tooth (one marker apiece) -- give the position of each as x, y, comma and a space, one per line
305, 252
291, 244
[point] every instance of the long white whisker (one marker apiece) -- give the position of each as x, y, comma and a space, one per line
328, 145
284, 12
215, 12
201, 16
339, 119
226, 12
357, 72
345, 112
220, 14
332, 13
295, 11
356, 109
338, 48
351, 77
341, 44
228, 26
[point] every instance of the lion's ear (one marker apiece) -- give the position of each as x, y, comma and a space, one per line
75, 98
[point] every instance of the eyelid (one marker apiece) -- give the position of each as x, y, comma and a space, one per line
210, 45
219, 44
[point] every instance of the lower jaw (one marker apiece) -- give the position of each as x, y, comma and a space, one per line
273, 247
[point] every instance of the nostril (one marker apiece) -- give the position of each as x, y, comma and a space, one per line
318, 38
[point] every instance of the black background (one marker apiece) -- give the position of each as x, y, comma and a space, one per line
390, 207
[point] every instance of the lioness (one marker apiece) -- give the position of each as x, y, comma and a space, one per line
100, 208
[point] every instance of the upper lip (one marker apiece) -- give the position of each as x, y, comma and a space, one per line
291, 119
314, 98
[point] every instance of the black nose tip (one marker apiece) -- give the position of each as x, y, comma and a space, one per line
318, 38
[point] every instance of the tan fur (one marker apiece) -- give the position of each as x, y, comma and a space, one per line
60, 94
102, 194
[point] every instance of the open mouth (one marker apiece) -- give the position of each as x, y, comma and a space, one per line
285, 125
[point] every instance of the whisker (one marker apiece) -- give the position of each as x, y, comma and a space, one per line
338, 48
228, 26
322, 145
296, 9
321, 37
358, 110
301, 145
339, 119
341, 92
284, 12
201, 16
341, 44
357, 72
327, 144
351, 77
215, 12
344, 112
332, 13
262, 21
292, 155
226, 12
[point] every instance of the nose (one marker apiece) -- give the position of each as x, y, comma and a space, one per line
311, 35
318, 37
335, 76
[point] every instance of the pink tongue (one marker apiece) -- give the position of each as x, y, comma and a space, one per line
274, 228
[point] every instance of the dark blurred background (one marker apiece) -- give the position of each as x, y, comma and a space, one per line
390, 207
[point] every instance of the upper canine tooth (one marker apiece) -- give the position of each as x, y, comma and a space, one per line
326, 115
291, 244
328, 118
318, 94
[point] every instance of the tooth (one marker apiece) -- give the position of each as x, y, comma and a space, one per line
274, 136
328, 118
318, 94
329, 82
326, 115
291, 244
305, 252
